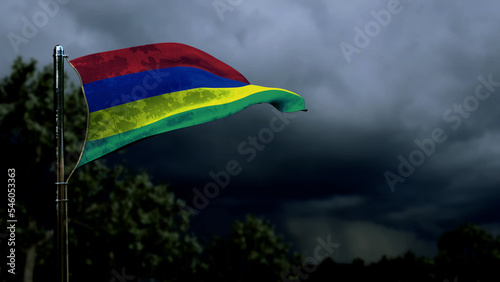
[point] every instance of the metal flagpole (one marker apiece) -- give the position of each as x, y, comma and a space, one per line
61, 186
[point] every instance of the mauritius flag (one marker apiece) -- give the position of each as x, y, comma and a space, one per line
138, 92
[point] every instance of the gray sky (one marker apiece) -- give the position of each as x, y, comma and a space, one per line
405, 91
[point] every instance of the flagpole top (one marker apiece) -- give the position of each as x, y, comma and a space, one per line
58, 50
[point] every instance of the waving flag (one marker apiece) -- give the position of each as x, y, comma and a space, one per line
138, 92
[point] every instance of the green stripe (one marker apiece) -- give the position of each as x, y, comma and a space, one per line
281, 100
136, 114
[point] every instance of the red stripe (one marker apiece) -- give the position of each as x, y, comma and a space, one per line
150, 57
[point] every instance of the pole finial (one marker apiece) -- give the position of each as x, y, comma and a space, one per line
58, 50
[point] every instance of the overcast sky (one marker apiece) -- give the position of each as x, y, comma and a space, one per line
401, 140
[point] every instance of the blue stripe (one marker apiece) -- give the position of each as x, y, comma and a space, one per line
127, 88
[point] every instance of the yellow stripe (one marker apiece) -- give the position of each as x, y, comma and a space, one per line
129, 116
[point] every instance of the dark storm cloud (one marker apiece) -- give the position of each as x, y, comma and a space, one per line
324, 172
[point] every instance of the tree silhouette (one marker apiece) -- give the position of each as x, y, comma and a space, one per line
251, 252
469, 253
